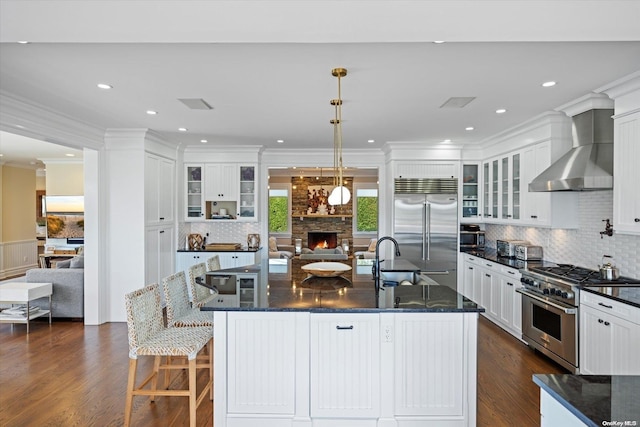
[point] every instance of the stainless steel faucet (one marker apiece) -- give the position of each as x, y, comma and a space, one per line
376, 264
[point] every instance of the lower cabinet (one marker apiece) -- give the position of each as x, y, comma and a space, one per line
184, 260
345, 369
345, 365
553, 414
609, 336
493, 286
243, 294
159, 249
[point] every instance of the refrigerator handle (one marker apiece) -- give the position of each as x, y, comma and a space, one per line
428, 228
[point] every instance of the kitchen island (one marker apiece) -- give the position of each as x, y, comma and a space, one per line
318, 352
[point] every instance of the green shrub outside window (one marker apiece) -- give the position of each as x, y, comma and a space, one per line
367, 212
278, 214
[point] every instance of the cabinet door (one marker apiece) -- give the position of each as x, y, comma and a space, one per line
536, 159
247, 289
515, 187
151, 189
626, 197
194, 193
261, 374
221, 182
505, 189
486, 194
159, 249
495, 180
470, 191
166, 193
429, 365
184, 260
345, 365
247, 209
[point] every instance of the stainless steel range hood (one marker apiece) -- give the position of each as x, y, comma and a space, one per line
589, 164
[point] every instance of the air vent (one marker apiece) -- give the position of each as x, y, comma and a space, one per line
426, 185
196, 103
458, 102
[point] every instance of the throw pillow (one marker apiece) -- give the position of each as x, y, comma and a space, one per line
339, 250
273, 244
372, 245
77, 262
63, 264
307, 251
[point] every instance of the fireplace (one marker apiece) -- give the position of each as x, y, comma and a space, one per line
322, 239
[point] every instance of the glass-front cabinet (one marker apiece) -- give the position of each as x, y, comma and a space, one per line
486, 194
470, 191
501, 189
515, 186
247, 209
194, 201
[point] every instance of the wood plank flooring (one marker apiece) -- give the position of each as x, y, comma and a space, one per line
75, 375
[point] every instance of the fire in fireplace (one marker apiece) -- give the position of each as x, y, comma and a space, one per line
322, 239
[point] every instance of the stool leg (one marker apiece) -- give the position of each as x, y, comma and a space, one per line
131, 383
156, 374
192, 392
210, 347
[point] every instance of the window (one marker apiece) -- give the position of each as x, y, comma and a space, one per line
366, 208
279, 207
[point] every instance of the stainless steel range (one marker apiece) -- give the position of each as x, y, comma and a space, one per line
550, 300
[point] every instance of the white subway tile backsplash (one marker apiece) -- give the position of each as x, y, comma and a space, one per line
584, 246
220, 232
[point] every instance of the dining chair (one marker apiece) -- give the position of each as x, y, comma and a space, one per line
200, 294
148, 336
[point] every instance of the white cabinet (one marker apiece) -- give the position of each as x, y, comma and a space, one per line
194, 200
609, 336
554, 414
259, 375
244, 293
221, 182
428, 372
159, 249
247, 208
470, 190
345, 365
626, 154
186, 259
159, 189
510, 310
502, 189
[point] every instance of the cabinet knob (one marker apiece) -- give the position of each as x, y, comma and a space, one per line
637, 219
600, 321
606, 323
509, 283
488, 275
534, 216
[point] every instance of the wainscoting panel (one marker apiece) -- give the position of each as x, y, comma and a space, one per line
18, 257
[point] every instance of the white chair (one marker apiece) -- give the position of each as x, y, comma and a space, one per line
149, 337
200, 295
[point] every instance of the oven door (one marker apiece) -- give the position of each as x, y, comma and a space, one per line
551, 327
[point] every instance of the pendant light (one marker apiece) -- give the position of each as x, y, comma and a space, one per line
340, 195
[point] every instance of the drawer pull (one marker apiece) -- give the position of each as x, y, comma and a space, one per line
605, 305
488, 275
509, 283
510, 272
344, 327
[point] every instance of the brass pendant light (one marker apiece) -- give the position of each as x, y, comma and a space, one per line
340, 195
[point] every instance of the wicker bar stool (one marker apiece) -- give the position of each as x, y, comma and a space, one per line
213, 263
180, 312
149, 337
200, 295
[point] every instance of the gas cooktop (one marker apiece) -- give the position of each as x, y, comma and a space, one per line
582, 276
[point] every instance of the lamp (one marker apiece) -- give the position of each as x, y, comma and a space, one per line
340, 195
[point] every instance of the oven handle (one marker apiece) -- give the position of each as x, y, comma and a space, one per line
566, 310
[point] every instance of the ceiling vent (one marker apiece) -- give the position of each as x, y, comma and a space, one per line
196, 103
458, 102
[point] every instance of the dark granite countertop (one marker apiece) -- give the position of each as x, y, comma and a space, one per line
626, 294
491, 255
284, 286
596, 400
399, 265
222, 250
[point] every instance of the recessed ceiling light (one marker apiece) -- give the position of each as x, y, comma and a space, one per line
280, 141
183, 129
371, 141
23, 42
104, 86
151, 112
204, 141
70, 155
501, 111
446, 141
1, 155
438, 41
469, 128
548, 84
20, 127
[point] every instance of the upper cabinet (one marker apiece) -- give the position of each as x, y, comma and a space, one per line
626, 153
470, 191
501, 194
159, 189
220, 191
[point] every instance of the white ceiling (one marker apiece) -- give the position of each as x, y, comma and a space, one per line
268, 77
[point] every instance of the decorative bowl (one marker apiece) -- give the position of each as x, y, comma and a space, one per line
326, 269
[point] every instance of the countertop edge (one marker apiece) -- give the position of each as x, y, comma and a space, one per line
219, 250
611, 297
348, 310
561, 400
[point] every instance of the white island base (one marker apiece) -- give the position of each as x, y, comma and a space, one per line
361, 369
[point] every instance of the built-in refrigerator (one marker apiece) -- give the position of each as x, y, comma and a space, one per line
426, 228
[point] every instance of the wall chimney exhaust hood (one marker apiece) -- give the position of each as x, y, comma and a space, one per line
589, 164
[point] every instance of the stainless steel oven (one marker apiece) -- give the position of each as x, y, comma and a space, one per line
551, 328
473, 240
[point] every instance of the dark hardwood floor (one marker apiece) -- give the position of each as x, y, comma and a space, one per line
75, 375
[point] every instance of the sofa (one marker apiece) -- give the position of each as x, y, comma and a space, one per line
67, 300
368, 253
279, 249
324, 254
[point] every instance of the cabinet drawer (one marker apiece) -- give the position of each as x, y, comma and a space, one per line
510, 272
472, 260
611, 307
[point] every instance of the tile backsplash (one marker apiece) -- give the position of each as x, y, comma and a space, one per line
583, 246
220, 232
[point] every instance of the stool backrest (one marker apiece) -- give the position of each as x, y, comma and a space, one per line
199, 293
176, 297
144, 315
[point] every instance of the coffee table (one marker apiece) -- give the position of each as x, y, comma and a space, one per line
24, 293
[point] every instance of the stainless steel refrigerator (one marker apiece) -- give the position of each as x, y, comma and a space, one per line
426, 228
